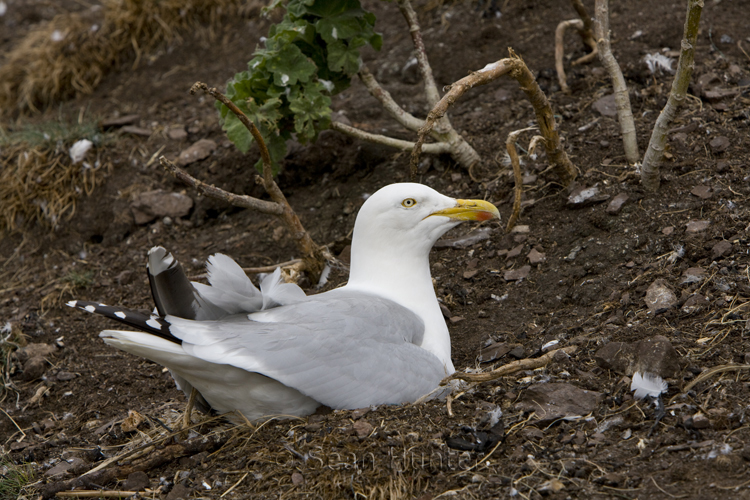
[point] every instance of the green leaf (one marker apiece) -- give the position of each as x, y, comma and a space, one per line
290, 66
309, 106
344, 58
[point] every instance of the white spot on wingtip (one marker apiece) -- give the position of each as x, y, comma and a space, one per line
121, 315
72, 303
90, 309
153, 324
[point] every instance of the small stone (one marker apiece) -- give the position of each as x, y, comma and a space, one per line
515, 251
363, 428
179, 491
584, 196
470, 274
653, 355
616, 204
136, 481
158, 204
61, 468
693, 275
606, 105
132, 129
34, 368
359, 413
719, 144
297, 478
553, 401
536, 257
197, 151
177, 133
695, 303
721, 249
529, 179
444, 309
517, 274
517, 352
667, 230
700, 421
456, 319
494, 352
697, 226
659, 298
456, 177
702, 192
64, 376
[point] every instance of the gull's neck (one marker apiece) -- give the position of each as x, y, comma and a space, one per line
402, 274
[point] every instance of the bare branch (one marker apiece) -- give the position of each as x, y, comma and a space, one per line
435, 148
237, 200
622, 100
407, 120
516, 366
510, 145
514, 66
655, 152
430, 88
560, 50
587, 33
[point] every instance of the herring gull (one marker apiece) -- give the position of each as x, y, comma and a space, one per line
380, 339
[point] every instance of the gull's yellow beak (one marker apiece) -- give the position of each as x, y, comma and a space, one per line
470, 210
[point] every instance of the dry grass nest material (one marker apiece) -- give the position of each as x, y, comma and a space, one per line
71, 54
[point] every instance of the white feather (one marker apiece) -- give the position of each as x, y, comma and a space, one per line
647, 384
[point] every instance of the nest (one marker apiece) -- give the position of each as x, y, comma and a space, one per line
72, 53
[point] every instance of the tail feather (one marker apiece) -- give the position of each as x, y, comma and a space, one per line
150, 324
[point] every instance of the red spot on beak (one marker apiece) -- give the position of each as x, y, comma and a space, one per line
482, 216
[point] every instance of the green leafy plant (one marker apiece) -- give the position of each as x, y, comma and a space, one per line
309, 56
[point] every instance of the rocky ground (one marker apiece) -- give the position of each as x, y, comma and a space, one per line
633, 281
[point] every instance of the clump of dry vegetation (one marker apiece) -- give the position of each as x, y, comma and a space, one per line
39, 181
72, 53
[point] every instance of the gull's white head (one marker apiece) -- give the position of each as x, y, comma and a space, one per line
414, 216
398, 225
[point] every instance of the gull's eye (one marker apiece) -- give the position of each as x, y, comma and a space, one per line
409, 202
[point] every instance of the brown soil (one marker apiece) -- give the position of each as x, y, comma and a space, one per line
588, 292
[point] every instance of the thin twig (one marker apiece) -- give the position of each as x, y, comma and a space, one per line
587, 33
516, 366
434, 148
560, 50
622, 99
510, 145
237, 200
96, 494
655, 152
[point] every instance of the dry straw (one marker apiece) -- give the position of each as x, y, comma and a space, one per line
71, 54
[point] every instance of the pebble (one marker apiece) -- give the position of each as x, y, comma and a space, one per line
653, 355
536, 257
606, 105
667, 230
197, 151
159, 204
553, 401
297, 478
177, 133
695, 303
697, 226
495, 351
702, 192
719, 144
179, 491
616, 204
363, 428
721, 249
517, 274
34, 368
659, 298
136, 481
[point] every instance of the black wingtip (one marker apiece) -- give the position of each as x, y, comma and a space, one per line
148, 323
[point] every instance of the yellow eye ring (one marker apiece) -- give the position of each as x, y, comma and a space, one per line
409, 202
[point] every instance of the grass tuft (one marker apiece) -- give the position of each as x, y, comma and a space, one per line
13, 479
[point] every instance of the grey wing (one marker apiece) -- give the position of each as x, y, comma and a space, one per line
344, 350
